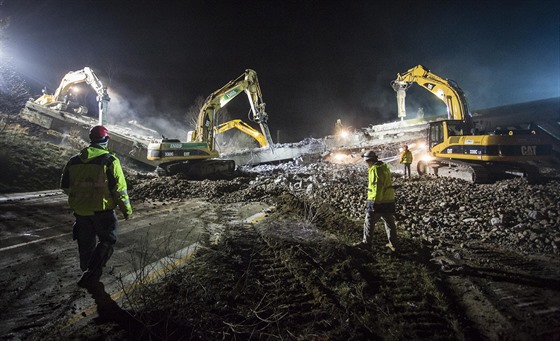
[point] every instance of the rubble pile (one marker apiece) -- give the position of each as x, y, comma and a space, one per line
445, 213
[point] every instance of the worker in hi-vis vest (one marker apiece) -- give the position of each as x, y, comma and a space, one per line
95, 184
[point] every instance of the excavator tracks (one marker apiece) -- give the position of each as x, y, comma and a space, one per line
454, 169
198, 169
477, 173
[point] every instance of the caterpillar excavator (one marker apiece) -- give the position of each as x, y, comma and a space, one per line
456, 150
62, 100
243, 127
197, 158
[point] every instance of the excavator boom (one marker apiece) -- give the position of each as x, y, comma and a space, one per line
172, 154
446, 90
248, 83
86, 75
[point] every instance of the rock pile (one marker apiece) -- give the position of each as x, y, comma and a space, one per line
441, 211
447, 211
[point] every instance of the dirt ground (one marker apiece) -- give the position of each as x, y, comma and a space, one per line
289, 273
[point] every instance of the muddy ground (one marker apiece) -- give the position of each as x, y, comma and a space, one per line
294, 274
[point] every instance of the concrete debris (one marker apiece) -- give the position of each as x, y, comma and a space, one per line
529, 223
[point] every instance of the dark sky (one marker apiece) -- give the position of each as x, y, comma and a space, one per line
316, 60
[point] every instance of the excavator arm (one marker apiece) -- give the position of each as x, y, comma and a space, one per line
76, 77
196, 158
446, 90
248, 83
245, 128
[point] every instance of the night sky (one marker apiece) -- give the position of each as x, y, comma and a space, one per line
316, 60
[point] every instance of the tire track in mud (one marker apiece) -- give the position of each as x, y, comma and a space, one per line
524, 290
283, 304
376, 295
389, 296
417, 309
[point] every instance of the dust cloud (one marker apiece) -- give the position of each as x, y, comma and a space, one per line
145, 112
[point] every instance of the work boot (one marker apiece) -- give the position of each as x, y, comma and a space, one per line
391, 247
89, 277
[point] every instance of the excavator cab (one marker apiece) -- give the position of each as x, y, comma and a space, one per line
436, 135
443, 134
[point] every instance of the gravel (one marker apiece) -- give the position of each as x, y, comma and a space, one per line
443, 212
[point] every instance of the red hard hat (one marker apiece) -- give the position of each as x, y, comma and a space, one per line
99, 134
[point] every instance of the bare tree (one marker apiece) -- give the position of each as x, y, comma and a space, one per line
191, 116
13, 89
111, 70
222, 116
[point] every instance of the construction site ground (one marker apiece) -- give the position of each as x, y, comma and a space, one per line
260, 257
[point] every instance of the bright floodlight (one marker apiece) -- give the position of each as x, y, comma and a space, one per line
426, 157
339, 156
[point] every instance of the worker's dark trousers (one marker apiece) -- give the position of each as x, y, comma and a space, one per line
406, 169
390, 226
96, 236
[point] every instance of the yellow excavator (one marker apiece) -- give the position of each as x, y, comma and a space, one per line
243, 127
62, 99
197, 158
456, 149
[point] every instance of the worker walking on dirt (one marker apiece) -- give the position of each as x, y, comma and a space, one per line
406, 160
380, 201
95, 184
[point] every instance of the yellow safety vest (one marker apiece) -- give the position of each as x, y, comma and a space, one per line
380, 185
406, 156
95, 182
